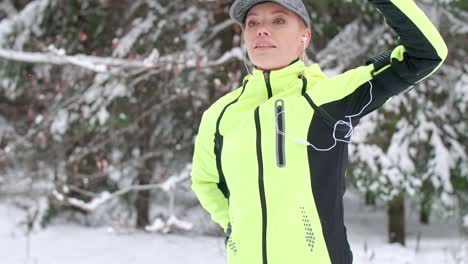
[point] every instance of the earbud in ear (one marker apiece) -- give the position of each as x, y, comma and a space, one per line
304, 39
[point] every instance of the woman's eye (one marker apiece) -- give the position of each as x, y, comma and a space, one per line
279, 21
252, 23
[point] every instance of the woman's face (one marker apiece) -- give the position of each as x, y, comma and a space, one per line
274, 36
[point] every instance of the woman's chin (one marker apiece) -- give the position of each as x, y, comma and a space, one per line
270, 66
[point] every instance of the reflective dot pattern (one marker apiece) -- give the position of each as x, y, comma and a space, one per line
309, 233
232, 245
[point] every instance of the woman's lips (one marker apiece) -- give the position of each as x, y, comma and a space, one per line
264, 47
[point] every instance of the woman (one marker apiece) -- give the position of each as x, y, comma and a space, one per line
270, 157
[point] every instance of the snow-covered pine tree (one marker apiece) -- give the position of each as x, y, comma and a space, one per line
416, 144
115, 101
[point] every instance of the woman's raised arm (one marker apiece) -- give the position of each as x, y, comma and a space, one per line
419, 54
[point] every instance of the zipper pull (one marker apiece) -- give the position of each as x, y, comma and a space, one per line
266, 74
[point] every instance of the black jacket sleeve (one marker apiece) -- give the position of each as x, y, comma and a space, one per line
420, 52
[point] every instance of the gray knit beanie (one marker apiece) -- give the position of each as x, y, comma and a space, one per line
240, 8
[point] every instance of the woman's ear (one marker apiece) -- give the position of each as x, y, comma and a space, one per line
306, 39
308, 35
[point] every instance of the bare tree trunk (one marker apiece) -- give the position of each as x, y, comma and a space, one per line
142, 203
427, 192
370, 198
396, 219
425, 212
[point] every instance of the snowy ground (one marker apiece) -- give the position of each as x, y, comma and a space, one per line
73, 244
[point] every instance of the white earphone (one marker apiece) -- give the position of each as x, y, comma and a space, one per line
348, 123
304, 41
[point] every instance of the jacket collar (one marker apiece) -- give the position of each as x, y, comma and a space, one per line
273, 82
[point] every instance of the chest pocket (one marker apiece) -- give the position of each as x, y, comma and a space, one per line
280, 133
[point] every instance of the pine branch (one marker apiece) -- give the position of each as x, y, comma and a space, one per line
166, 186
114, 66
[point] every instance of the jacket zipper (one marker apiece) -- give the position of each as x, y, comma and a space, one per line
279, 129
261, 186
266, 74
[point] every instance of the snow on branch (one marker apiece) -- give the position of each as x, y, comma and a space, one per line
115, 66
93, 63
141, 27
348, 45
8, 7
20, 24
159, 225
457, 25
168, 186
215, 30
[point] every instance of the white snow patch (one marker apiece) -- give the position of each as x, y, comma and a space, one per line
60, 123
103, 115
72, 244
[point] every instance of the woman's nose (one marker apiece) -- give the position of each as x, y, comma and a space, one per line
262, 32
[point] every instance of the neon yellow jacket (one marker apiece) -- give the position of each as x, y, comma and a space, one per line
279, 199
